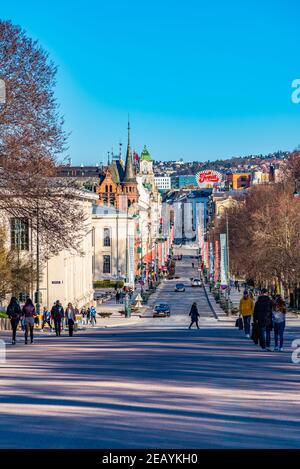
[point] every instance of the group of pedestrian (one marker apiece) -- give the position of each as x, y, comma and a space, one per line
268, 315
28, 316
88, 315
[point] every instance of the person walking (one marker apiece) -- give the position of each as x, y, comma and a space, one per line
71, 318
118, 297
83, 315
57, 313
246, 311
14, 313
88, 315
46, 318
279, 314
263, 317
29, 314
194, 315
93, 315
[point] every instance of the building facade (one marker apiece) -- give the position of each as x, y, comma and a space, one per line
163, 182
118, 183
114, 244
68, 276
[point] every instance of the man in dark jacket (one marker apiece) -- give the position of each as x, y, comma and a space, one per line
263, 317
14, 313
194, 315
57, 313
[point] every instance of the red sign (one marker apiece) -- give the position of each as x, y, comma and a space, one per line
208, 178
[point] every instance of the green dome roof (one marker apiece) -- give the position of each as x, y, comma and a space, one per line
145, 155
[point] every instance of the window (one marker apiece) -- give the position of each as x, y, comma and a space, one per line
106, 264
19, 234
106, 237
110, 188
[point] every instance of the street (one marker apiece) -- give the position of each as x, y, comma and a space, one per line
154, 384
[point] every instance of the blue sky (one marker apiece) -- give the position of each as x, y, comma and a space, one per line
200, 80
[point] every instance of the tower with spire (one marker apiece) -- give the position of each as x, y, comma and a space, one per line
118, 185
129, 182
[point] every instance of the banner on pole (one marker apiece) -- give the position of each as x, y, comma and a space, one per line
224, 263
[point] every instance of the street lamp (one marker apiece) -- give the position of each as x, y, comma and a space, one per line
228, 265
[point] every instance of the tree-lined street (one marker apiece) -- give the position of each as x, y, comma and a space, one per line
153, 384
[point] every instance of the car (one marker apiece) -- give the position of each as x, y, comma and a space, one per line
161, 310
179, 287
196, 282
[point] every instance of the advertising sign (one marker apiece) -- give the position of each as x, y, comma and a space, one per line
209, 179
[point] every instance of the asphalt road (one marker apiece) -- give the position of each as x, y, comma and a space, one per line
154, 384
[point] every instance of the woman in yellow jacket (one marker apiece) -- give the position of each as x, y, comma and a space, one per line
246, 311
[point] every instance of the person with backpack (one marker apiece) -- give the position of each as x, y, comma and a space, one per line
29, 315
194, 315
263, 317
246, 311
14, 313
279, 313
46, 318
83, 315
57, 313
93, 315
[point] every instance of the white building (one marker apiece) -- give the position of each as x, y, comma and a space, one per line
68, 276
114, 244
163, 182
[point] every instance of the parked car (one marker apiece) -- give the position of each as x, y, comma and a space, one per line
161, 310
179, 287
196, 282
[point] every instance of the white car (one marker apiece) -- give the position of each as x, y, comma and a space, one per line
196, 282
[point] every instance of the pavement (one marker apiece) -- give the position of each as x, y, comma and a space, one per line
152, 384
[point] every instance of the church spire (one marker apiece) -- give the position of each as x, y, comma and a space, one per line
129, 171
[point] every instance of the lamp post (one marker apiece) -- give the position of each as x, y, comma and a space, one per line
228, 266
37, 293
117, 241
126, 276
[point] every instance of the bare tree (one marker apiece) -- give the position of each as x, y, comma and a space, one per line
264, 238
31, 141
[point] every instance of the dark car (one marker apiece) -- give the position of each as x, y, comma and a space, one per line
161, 310
179, 287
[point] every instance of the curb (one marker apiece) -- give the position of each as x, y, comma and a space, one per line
209, 302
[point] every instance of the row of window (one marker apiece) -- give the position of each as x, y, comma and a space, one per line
19, 235
127, 189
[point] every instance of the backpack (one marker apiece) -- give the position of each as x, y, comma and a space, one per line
14, 311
